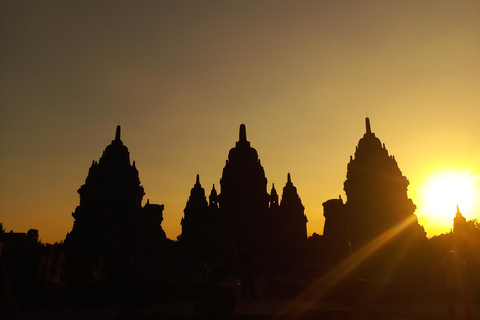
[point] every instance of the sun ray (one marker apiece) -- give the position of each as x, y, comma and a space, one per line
442, 191
321, 286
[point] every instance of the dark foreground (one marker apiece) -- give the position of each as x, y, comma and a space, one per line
260, 310
350, 302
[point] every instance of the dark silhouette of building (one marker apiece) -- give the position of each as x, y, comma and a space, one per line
243, 198
275, 242
376, 191
111, 227
459, 223
335, 231
377, 206
198, 224
244, 217
463, 236
293, 222
20, 255
195, 220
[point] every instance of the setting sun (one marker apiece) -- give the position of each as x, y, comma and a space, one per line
442, 191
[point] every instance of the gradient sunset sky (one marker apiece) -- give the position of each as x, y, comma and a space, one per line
181, 76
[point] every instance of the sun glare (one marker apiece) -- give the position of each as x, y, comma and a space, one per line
442, 191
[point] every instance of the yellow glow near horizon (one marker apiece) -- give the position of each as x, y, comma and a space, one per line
442, 191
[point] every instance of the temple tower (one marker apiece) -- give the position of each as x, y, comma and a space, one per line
292, 212
459, 222
110, 224
112, 182
243, 198
335, 231
462, 234
274, 205
377, 199
196, 223
213, 199
195, 213
376, 191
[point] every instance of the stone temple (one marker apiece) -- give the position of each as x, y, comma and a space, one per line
113, 235
377, 209
244, 216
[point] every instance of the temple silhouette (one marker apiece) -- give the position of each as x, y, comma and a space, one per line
377, 206
238, 242
242, 222
244, 217
113, 236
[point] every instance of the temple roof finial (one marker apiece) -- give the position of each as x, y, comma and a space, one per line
243, 133
458, 211
117, 133
367, 123
198, 179
289, 180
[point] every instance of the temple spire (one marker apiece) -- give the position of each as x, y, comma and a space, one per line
367, 123
213, 198
289, 180
274, 191
243, 133
197, 182
117, 133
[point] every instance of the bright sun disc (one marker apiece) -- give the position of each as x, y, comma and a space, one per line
443, 191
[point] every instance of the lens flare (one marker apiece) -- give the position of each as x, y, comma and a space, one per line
310, 296
443, 191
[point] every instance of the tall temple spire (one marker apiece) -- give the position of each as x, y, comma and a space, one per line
117, 133
274, 192
367, 123
243, 133
294, 224
273, 197
459, 223
213, 198
197, 182
242, 137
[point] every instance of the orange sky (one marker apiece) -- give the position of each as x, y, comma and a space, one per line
181, 76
